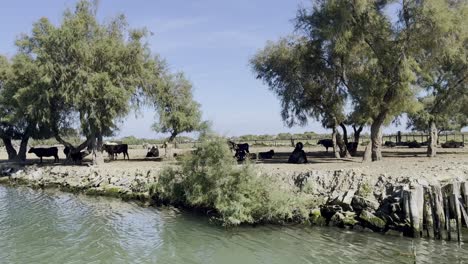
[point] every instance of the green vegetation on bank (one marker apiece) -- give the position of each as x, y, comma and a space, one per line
210, 179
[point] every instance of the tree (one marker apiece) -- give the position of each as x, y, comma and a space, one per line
19, 107
92, 73
304, 73
444, 67
177, 110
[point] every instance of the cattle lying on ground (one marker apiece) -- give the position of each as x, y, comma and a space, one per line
298, 156
153, 152
45, 152
266, 155
413, 144
327, 143
75, 157
114, 150
453, 144
390, 144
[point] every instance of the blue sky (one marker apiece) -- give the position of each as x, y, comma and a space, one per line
210, 40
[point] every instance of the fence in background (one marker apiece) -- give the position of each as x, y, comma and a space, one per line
364, 139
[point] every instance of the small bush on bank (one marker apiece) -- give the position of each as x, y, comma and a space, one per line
210, 178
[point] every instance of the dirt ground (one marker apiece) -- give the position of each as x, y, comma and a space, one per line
399, 161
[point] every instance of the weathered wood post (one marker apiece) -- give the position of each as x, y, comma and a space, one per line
464, 192
428, 216
438, 212
452, 192
416, 204
447, 218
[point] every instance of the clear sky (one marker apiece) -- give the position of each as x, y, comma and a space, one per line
210, 40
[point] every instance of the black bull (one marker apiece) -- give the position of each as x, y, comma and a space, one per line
113, 150
45, 152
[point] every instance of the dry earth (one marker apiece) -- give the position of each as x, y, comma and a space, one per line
398, 162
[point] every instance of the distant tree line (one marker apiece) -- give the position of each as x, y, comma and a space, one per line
350, 63
87, 76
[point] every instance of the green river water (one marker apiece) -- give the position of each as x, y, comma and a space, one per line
45, 226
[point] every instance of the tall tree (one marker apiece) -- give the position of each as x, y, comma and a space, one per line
443, 62
177, 110
94, 72
304, 72
20, 107
346, 48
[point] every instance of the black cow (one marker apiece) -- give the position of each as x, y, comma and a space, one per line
75, 157
266, 155
153, 152
45, 152
241, 147
452, 144
413, 144
327, 143
241, 150
240, 155
390, 144
298, 156
113, 150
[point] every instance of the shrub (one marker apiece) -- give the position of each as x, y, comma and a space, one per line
210, 178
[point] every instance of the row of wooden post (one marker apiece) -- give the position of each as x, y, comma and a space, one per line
423, 137
435, 211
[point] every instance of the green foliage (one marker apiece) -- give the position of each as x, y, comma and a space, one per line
210, 178
82, 73
177, 111
444, 66
296, 69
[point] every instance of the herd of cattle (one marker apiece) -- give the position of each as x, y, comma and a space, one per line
416, 144
241, 150
112, 150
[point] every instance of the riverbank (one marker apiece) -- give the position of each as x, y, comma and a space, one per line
344, 193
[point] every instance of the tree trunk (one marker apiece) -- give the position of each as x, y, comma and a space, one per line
345, 133
9, 148
23, 148
357, 136
344, 152
376, 137
367, 153
335, 143
98, 158
433, 139
357, 133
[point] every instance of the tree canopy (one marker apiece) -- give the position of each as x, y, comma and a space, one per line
177, 111
353, 53
88, 74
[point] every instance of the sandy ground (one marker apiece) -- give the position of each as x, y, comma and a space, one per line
400, 161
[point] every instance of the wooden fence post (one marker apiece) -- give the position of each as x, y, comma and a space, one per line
438, 211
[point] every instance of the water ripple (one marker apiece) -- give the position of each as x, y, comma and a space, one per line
51, 227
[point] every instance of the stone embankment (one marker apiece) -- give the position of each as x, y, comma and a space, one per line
410, 206
349, 198
127, 183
